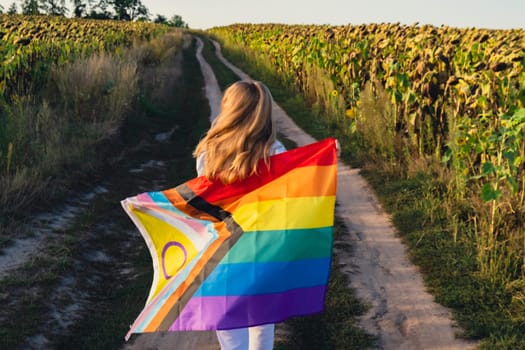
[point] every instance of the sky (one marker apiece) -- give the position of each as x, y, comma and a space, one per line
204, 14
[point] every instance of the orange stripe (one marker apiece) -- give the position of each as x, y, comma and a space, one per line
289, 186
159, 317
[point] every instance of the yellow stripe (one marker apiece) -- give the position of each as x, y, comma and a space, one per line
287, 213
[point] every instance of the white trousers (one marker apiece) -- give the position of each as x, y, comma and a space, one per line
252, 338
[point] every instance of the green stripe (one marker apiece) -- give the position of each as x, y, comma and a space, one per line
281, 245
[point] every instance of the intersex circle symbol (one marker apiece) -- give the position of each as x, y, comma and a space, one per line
165, 249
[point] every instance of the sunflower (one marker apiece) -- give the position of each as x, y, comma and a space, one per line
334, 93
461, 141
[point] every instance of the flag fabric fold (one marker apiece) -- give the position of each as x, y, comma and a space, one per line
229, 256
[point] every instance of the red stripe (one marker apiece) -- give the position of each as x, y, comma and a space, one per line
318, 153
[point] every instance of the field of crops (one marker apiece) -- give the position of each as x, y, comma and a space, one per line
448, 102
65, 84
430, 73
30, 44
451, 99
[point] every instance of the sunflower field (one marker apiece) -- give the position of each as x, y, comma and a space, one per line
31, 44
450, 98
65, 85
431, 74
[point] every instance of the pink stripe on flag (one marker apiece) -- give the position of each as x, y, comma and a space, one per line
144, 198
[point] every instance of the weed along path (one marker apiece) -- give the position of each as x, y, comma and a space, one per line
402, 314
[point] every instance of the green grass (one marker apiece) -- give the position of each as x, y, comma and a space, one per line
484, 308
30, 286
336, 327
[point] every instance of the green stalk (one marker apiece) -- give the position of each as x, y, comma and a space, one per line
522, 195
9, 156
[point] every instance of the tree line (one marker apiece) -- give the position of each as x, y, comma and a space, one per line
124, 10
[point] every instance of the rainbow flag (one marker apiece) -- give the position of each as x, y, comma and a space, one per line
229, 256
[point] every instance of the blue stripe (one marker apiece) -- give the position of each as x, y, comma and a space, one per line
243, 278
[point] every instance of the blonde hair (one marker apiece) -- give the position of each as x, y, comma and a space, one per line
242, 134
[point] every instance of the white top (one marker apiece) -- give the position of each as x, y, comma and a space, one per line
277, 148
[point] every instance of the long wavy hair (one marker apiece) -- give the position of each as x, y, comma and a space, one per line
242, 134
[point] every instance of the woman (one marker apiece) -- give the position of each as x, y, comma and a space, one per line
242, 134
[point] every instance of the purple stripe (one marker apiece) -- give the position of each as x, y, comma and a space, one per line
227, 312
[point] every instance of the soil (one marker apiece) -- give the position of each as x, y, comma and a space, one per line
402, 314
